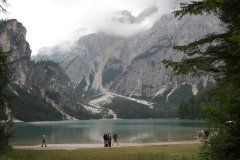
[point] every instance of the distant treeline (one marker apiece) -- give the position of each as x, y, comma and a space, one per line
192, 108
30, 107
132, 110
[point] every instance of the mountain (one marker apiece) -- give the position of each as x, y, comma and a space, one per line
126, 17
38, 91
146, 13
144, 74
101, 75
131, 68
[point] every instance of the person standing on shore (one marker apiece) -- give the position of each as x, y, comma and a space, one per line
44, 143
115, 139
105, 139
109, 140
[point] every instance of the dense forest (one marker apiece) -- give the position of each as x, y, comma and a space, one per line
23, 103
133, 110
193, 108
216, 54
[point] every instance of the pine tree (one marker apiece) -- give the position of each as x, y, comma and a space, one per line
4, 80
5, 132
217, 55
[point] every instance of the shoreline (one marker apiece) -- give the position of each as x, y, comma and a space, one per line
84, 146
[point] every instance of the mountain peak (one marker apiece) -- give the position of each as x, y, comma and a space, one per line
146, 13
126, 16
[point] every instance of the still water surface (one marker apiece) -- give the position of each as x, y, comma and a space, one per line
91, 131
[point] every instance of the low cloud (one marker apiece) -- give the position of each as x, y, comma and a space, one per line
126, 25
52, 21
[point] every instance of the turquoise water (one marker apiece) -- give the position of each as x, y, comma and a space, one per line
91, 131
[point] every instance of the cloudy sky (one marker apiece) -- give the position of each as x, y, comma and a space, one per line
49, 22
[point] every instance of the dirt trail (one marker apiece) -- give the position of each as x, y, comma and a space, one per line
81, 146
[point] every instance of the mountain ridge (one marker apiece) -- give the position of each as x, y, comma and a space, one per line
37, 91
126, 55
94, 76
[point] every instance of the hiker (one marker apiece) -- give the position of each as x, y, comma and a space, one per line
206, 133
109, 140
115, 139
44, 141
203, 134
105, 138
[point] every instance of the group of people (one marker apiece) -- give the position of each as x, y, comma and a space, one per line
107, 137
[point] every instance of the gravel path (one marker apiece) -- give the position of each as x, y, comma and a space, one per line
81, 146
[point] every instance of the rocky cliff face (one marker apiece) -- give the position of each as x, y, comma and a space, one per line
132, 66
145, 75
106, 73
13, 38
126, 17
38, 88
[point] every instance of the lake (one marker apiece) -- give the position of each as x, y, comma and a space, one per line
91, 131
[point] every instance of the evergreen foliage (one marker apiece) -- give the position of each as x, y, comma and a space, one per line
112, 70
176, 98
82, 114
110, 75
30, 107
151, 52
132, 110
192, 108
4, 80
218, 55
5, 132
5, 129
79, 89
5, 135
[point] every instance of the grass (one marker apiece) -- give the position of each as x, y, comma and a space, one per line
168, 152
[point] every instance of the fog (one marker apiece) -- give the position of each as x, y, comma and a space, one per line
49, 22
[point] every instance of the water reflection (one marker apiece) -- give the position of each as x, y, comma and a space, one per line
91, 131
